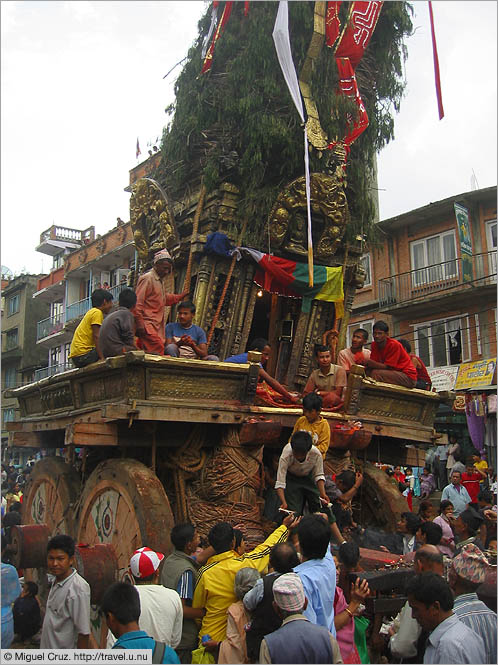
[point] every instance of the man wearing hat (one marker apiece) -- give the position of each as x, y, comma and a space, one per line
152, 299
467, 571
297, 640
161, 614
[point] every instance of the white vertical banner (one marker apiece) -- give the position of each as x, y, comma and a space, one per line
281, 40
207, 38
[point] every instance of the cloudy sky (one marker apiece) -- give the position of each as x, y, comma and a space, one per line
81, 80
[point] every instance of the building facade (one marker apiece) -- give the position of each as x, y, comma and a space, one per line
432, 276
82, 264
21, 357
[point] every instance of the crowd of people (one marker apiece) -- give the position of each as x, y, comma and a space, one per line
299, 595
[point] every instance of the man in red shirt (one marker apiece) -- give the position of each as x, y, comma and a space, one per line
470, 480
389, 362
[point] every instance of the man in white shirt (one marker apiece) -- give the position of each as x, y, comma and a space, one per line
441, 459
403, 641
161, 610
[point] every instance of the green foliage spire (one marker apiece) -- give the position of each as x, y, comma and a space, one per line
238, 123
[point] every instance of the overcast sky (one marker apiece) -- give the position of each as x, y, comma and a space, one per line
81, 80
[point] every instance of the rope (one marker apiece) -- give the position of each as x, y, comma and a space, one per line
225, 287
193, 238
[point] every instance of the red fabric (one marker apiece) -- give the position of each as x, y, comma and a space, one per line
332, 24
471, 482
362, 20
151, 344
400, 477
208, 60
395, 357
349, 88
436, 66
246, 7
422, 372
409, 501
275, 275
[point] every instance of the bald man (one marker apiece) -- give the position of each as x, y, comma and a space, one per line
406, 642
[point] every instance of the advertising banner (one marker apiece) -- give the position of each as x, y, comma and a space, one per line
443, 378
463, 225
476, 375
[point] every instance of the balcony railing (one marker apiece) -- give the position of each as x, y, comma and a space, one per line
49, 326
63, 233
50, 371
415, 284
81, 307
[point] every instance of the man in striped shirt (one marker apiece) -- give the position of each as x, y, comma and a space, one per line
467, 571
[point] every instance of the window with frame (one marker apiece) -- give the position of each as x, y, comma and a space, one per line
366, 264
11, 339
366, 325
13, 304
10, 376
55, 356
443, 342
9, 415
433, 259
492, 243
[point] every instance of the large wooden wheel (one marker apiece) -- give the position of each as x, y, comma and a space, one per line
124, 503
381, 504
50, 496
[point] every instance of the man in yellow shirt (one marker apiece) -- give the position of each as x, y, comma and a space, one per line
311, 421
85, 344
214, 589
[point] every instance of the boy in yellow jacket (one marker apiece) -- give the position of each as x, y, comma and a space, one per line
311, 421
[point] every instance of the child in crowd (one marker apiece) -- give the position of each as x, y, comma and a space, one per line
85, 348
311, 421
427, 484
26, 611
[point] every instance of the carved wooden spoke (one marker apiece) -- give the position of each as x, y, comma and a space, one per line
51, 495
124, 504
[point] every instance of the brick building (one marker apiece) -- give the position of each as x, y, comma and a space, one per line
429, 291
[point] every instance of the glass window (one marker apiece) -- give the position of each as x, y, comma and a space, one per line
442, 343
8, 415
492, 245
366, 265
13, 304
434, 259
11, 340
10, 377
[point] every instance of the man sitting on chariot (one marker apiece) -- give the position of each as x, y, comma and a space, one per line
184, 339
389, 362
260, 344
328, 380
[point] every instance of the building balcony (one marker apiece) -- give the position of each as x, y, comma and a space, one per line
49, 326
51, 371
429, 284
80, 308
51, 287
57, 238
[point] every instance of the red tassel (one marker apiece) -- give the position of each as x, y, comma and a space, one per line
436, 66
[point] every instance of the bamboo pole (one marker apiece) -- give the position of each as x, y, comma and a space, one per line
225, 287
193, 238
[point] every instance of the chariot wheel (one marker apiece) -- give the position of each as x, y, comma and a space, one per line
51, 495
381, 502
124, 503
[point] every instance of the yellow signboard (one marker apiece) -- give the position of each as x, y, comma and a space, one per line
478, 374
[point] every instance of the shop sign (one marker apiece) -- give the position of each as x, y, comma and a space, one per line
443, 378
476, 375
